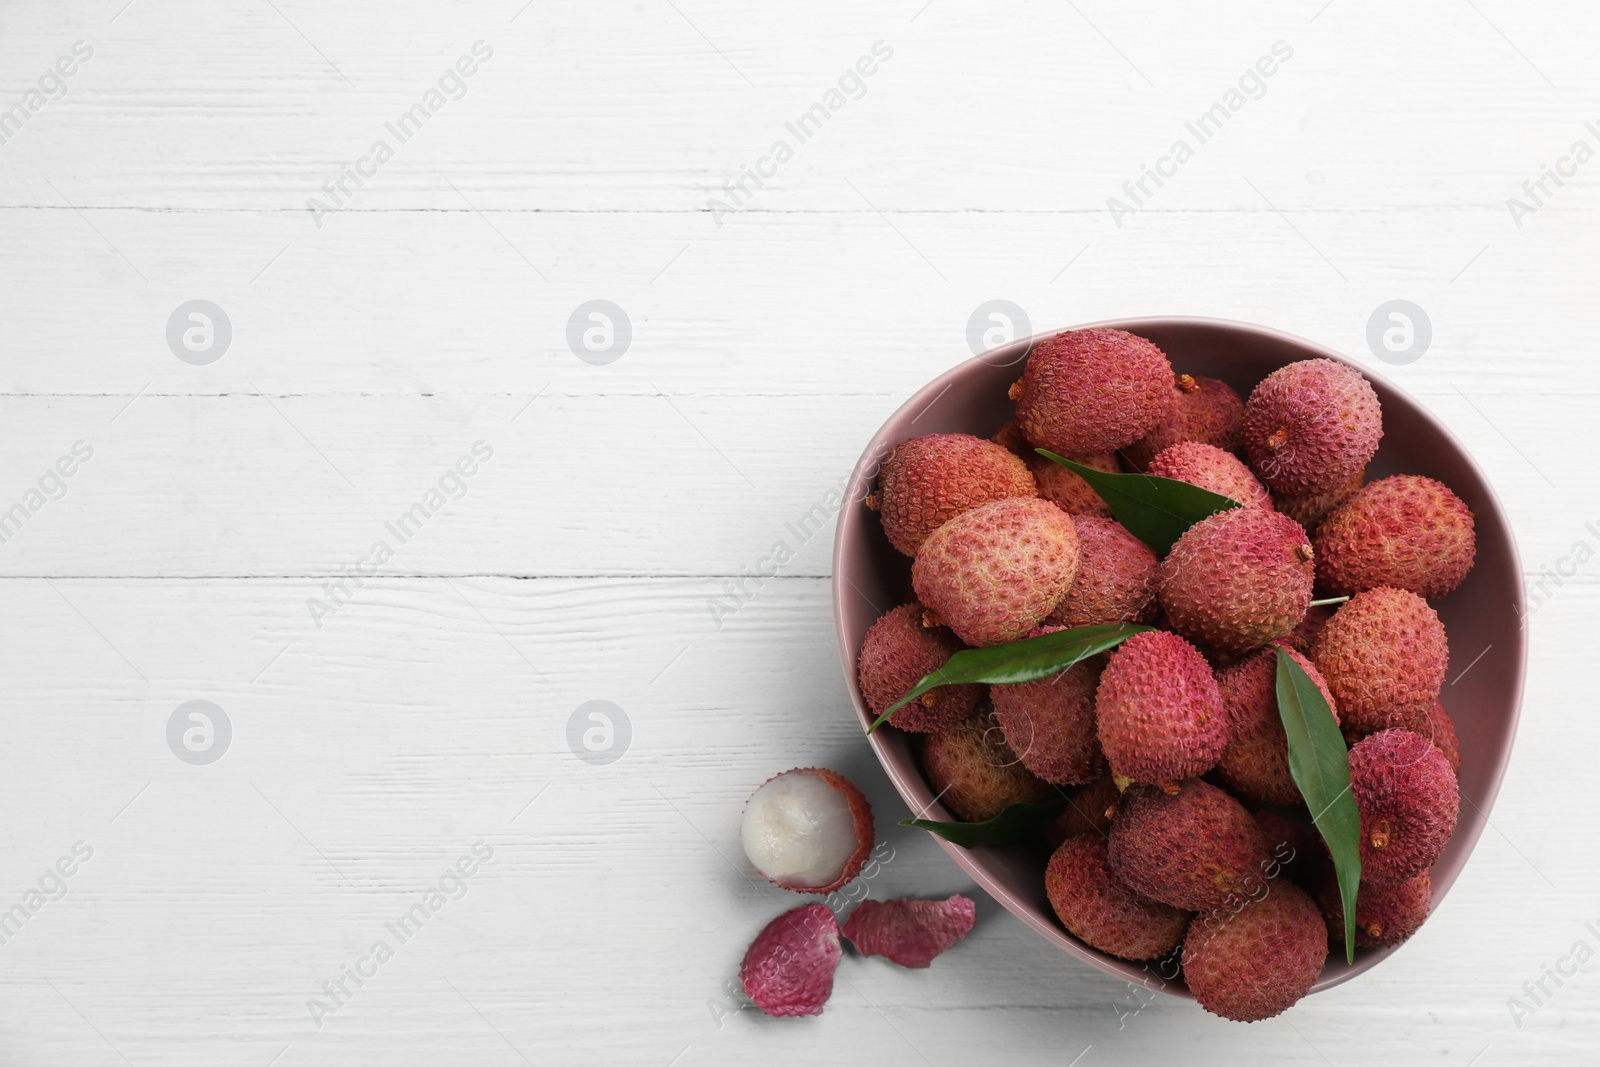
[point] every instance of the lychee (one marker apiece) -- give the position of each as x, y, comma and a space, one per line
1213, 469
1094, 390
788, 969
1256, 762
1407, 531
993, 573
1204, 410
909, 932
974, 773
1238, 579
1386, 915
1089, 810
1294, 847
1116, 579
1310, 510
897, 652
1195, 849
1310, 426
1408, 800
1383, 653
1255, 963
1049, 722
927, 481
1099, 910
809, 830
1159, 712
1009, 437
1067, 490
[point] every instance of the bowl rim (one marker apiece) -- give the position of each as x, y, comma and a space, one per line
1014, 353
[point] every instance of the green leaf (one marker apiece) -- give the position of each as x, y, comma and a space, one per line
1320, 766
1019, 661
1155, 510
1016, 823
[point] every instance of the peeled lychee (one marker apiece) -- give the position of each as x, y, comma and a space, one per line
1213, 469
1408, 800
1310, 510
1407, 531
1068, 491
1310, 426
909, 932
1159, 711
1238, 579
1116, 579
927, 481
1386, 915
975, 774
1196, 849
1256, 762
897, 652
1205, 410
993, 573
1095, 390
1383, 653
788, 969
1099, 910
1256, 962
809, 830
1049, 722
1089, 810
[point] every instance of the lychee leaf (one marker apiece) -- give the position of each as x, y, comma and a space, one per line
1017, 823
1319, 763
1155, 510
1019, 661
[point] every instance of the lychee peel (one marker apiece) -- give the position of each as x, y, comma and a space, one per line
896, 653
1116, 579
1159, 711
995, 572
788, 969
1195, 849
1095, 907
1408, 799
809, 830
1238, 579
1383, 653
1407, 531
1310, 426
1093, 390
927, 481
1256, 962
909, 932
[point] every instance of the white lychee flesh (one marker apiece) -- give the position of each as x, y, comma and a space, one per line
798, 830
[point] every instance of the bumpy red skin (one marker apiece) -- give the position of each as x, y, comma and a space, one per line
860, 816
927, 481
1094, 390
1432, 722
1049, 723
1386, 915
1303, 636
909, 932
1256, 762
993, 573
1010, 438
1211, 468
897, 651
1238, 579
1408, 532
1116, 579
1323, 418
1309, 511
1158, 709
1384, 655
1255, 963
1089, 810
1198, 849
1099, 910
1293, 844
1408, 800
788, 969
975, 774
1068, 491
1206, 410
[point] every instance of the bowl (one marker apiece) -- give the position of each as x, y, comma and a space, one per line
1482, 618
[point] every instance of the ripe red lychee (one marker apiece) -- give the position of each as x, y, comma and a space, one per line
897, 652
1256, 762
1310, 426
1256, 962
1195, 849
1408, 800
927, 481
1159, 712
1213, 469
1049, 722
1205, 410
1095, 907
1407, 531
1068, 491
1116, 579
1238, 579
1093, 390
1310, 510
1386, 915
1384, 653
974, 773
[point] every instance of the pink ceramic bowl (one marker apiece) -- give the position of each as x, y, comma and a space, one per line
1487, 642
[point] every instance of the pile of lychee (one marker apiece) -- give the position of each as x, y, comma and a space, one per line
1184, 836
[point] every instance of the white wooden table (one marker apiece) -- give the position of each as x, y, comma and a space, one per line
386, 715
